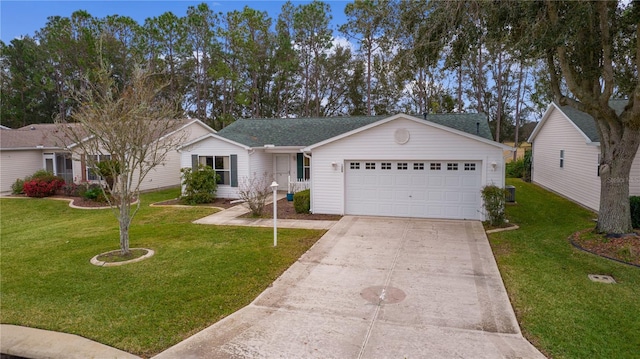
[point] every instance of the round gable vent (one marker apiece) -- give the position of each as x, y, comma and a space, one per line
401, 136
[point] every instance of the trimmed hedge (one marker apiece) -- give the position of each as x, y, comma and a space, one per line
634, 202
302, 201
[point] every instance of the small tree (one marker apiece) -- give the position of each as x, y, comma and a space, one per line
132, 123
254, 191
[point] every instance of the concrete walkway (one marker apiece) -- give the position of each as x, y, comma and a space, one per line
377, 288
44, 344
231, 217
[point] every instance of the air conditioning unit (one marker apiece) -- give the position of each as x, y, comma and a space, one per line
511, 194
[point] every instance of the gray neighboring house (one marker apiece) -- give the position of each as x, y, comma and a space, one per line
28, 149
566, 155
398, 165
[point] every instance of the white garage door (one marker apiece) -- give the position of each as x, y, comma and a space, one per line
427, 189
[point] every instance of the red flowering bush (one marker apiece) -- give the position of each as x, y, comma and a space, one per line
40, 187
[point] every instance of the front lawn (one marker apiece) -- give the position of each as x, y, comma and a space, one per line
560, 310
198, 275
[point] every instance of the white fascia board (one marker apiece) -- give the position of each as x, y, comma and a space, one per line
214, 136
414, 119
34, 149
280, 149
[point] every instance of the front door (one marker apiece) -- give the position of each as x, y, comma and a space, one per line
282, 171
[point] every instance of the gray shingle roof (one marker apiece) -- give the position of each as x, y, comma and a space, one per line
30, 137
308, 131
586, 123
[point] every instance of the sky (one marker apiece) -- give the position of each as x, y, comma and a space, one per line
19, 18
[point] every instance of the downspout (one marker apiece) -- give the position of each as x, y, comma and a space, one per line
311, 187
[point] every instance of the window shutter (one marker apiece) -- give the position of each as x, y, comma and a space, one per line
300, 165
194, 162
234, 170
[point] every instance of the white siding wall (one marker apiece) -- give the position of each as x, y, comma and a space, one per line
164, 175
215, 147
578, 180
168, 173
425, 143
18, 164
260, 163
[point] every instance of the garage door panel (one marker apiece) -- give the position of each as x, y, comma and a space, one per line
414, 189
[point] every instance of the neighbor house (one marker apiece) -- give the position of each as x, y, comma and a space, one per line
399, 165
566, 155
25, 150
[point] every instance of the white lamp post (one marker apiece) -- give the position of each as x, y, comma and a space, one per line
274, 187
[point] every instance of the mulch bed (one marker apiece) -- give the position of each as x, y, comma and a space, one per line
287, 211
624, 248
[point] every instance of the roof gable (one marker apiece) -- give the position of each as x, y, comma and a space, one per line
215, 136
303, 132
474, 137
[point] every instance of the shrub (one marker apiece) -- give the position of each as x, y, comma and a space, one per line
17, 187
255, 191
70, 189
199, 186
520, 168
302, 201
515, 169
634, 202
528, 158
494, 199
91, 191
108, 170
38, 187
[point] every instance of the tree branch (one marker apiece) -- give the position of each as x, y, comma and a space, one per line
607, 60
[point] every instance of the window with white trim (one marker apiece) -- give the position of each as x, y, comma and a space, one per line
469, 166
418, 166
354, 165
385, 165
561, 158
369, 165
220, 164
452, 166
92, 174
435, 166
402, 166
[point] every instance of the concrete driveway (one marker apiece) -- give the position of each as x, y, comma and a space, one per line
377, 288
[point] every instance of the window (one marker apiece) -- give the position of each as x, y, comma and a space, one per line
402, 166
92, 174
385, 165
221, 165
435, 166
561, 158
306, 166
370, 166
354, 165
418, 166
452, 166
469, 166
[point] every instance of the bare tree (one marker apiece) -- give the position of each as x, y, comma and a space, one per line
133, 125
254, 191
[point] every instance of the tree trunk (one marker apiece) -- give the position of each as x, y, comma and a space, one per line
614, 214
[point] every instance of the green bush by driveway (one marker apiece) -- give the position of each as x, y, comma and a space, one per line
198, 275
559, 309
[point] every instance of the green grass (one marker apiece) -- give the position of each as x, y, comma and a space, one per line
198, 275
559, 309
